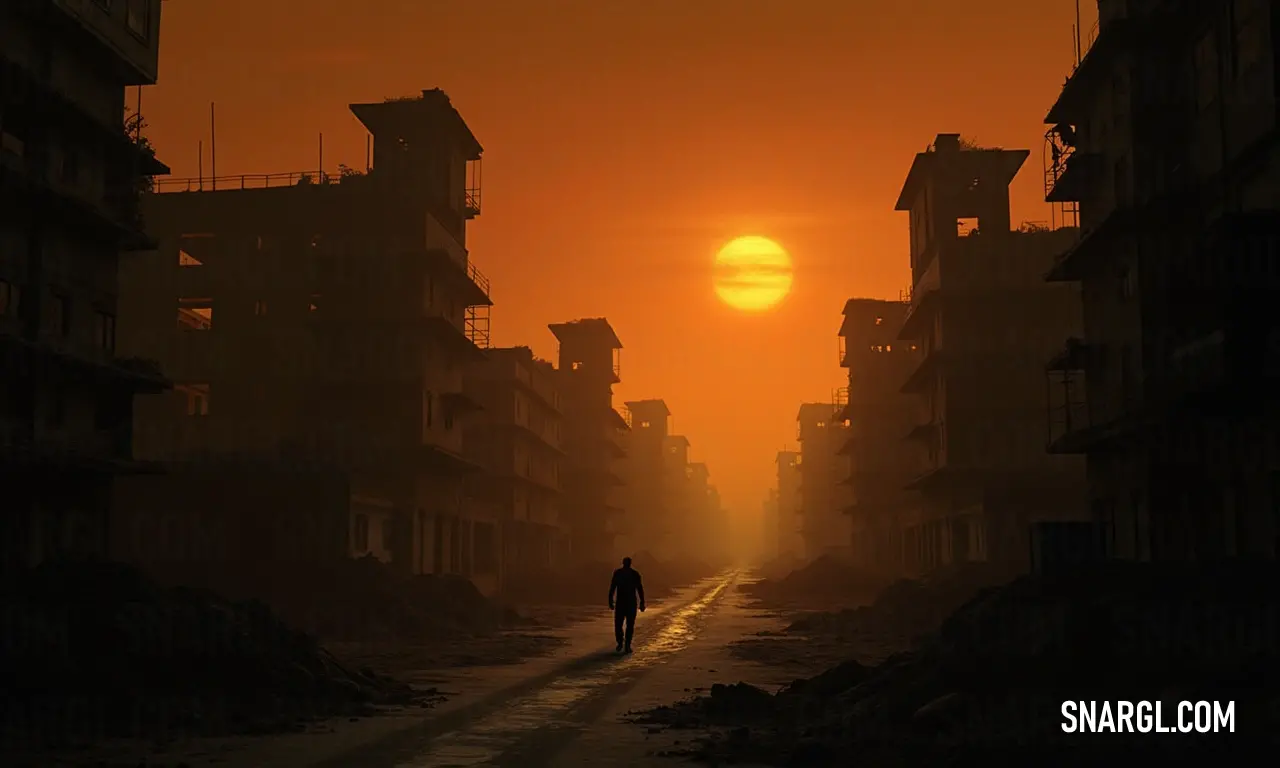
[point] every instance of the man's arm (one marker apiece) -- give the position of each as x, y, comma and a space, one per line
613, 587
639, 588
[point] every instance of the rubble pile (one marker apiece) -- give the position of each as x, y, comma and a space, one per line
365, 599
906, 609
779, 567
988, 686
668, 575
95, 650
588, 583
824, 580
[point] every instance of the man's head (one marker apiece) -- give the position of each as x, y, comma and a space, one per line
626, 562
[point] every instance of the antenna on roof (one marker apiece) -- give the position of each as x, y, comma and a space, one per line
1077, 31
213, 148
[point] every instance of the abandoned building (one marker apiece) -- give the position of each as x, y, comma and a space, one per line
710, 534
588, 367
677, 502
824, 494
1163, 142
72, 169
769, 545
878, 414
647, 495
515, 438
986, 323
787, 531
325, 321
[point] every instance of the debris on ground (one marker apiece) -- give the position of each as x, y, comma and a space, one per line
367, 599
988, 686
823, 581
588, 583
907, 608
97, 650
779, 567
899, 616
421, 663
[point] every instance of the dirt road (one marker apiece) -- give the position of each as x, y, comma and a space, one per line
568, 711
565, 709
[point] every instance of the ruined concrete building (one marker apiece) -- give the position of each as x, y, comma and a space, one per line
677, 502
769, 546
884, 516
650, 522
787, 533
1164, 137
71, 172
709, 532
588, 367
824, 496
515, 438
320, 321
986, 323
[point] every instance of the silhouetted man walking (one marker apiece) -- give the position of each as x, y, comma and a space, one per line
627, 587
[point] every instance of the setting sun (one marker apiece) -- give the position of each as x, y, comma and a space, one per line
752, 273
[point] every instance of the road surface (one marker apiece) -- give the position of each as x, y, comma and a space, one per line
561, 710
567, 711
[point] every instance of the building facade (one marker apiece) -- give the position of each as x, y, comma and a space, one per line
824, 494
588, 367
768, 546
1163, 141
325, 320
881, 463
515, 438
71, 174
986, 324
678, 503
788, 518
710, 531
647, 494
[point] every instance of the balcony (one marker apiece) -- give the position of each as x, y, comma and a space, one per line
1069, 172
457, 340
46, 102
924, 373
617, 420
445, 253
112, 215
475, 325
307, 179
1091, 249
458, 404
840, 404
1068, 411
438, 460
928, 432
141, 375
101, 451
924, 299
1109, 35
471, 199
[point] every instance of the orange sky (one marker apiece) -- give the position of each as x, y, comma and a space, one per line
625, 142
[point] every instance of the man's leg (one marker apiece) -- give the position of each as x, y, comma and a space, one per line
618, 617
631, 626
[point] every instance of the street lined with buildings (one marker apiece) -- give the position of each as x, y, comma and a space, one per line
315, 348
243, 382
1089, 387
